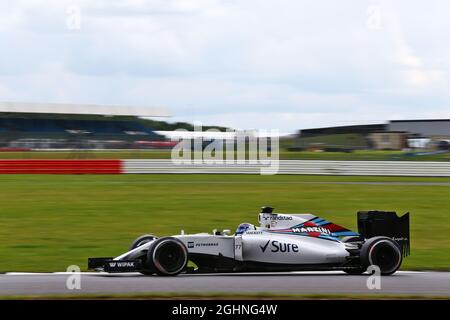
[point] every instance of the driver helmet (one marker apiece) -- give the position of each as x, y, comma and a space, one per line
243, 227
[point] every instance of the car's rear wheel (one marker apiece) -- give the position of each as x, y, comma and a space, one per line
168, 256
382, 252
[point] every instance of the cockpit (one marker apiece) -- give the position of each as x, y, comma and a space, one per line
243, 227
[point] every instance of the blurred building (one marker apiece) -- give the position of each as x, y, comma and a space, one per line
54, 126
389, 140
435, 132
342, 138
394, 135
435, 128
353, 129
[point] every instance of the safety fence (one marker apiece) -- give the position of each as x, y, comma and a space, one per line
313, 167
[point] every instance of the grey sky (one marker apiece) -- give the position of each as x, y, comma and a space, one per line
245, 64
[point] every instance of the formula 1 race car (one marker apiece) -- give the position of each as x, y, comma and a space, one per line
282, 242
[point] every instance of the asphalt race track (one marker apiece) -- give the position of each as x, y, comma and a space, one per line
402, 283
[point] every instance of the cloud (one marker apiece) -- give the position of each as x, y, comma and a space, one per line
285, 64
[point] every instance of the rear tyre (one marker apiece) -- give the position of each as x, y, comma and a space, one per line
168, 256
382, 252
139, 242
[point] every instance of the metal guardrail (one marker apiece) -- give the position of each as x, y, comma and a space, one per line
313, 167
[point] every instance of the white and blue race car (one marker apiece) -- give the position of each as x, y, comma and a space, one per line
281, 242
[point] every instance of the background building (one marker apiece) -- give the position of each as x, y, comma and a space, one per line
70, 126
435, 129
389, 140
395, 135
342, 138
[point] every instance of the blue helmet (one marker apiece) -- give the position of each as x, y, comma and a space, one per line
243, 227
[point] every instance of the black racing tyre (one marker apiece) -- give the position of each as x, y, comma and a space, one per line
141, 240
382, 252
168, 256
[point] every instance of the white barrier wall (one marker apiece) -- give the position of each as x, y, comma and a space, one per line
314, 167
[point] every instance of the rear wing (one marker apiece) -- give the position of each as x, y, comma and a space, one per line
385, 223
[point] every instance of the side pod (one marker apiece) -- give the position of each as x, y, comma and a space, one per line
385, 223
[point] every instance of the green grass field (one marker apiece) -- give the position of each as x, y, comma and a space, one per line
360, 155
50, 222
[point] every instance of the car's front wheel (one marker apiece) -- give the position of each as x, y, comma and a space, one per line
139, 242
168, 256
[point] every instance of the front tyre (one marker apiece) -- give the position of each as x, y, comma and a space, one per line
168, 256
382, 252
142, 240
139, 242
